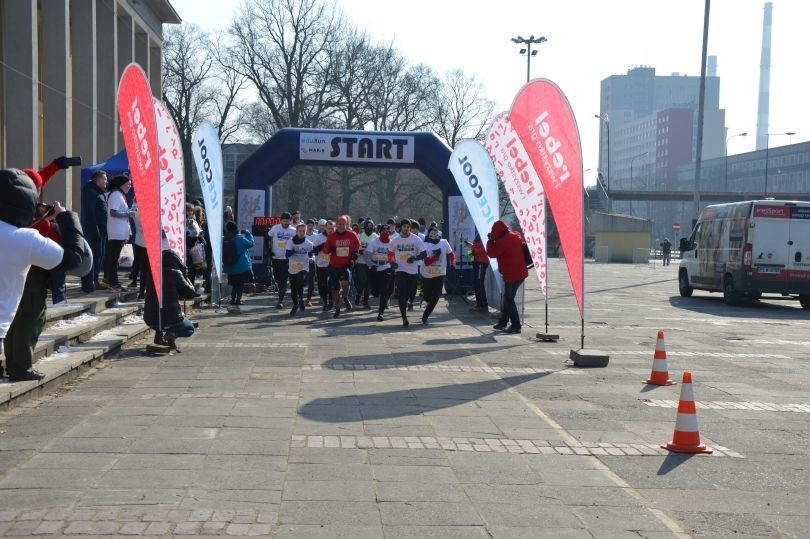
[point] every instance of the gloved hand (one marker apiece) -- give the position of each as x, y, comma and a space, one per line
411, 259
394, 265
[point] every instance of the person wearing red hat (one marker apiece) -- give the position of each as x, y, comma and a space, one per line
23, 293
507, 248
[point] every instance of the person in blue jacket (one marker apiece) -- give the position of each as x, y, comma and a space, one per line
236, 245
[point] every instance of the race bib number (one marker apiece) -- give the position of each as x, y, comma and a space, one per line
404, 256
342, 251
434, 271
281, 245
323, 257
297, 266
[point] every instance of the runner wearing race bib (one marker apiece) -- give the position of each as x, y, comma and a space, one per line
381, 274
278, 235
404, 251
322, 263
362, 268
434, 268
298, 252
341, 246
312, 234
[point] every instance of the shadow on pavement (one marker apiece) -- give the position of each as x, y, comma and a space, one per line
423, 357
672, 461
392, 404
783, 310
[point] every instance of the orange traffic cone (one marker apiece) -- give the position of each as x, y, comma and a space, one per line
660, 372
686, 438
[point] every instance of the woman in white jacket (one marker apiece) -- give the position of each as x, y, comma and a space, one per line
118, 230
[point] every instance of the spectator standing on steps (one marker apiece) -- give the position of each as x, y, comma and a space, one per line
94, 225
507, 248
118, 230
23, 293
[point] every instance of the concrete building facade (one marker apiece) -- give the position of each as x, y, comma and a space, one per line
649, 126
61, 63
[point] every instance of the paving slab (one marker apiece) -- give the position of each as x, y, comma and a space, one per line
310, 427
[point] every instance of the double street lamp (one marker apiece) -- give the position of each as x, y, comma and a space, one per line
725, 178
767, 146
528, 41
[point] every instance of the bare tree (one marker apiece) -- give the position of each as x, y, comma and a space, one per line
282, 47
186, 70
462, 111
230, 85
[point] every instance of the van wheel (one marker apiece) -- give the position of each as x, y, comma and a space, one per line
805, 302
683, 285
755, 295
729, 293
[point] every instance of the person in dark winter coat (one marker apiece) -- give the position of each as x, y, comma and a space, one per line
507, 248
94, 225
169, 322
23, 292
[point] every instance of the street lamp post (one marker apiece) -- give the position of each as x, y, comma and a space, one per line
725, 177
528, 41
767, 147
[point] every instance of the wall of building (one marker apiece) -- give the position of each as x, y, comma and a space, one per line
621, 245
61, 62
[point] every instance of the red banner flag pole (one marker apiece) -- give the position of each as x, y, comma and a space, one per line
139, 131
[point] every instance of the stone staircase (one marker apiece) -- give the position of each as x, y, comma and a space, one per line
79, 332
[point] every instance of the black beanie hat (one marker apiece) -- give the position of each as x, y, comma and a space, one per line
117, 182
286, 215
310, 221
18, 197
390, 222
405, 222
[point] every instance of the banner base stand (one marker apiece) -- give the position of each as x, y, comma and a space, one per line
548, 337
585, 357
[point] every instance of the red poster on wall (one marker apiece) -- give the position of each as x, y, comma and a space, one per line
545, 124
137, 116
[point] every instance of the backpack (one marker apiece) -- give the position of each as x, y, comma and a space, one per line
527, 255
229, 254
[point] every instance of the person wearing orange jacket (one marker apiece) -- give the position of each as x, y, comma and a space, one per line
480, 263
507, 248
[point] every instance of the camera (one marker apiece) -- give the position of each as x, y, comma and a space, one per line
75, 161
45, 210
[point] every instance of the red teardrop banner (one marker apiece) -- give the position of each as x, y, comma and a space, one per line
137, 116
545, 124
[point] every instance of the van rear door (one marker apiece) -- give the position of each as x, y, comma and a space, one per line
799, 240
769, 248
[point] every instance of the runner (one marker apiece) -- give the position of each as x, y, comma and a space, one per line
295, 218
364, 264
312, 235
299, 252
415, 284
404, 251
381, 274
278, 235
322, 263
434, 269
342, 247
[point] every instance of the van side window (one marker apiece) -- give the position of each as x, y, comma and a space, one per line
694, 241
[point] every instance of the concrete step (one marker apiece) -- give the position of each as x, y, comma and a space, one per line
78, 333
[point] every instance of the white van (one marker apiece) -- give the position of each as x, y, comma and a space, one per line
747, 249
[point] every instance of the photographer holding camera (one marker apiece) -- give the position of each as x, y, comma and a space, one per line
29, 240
